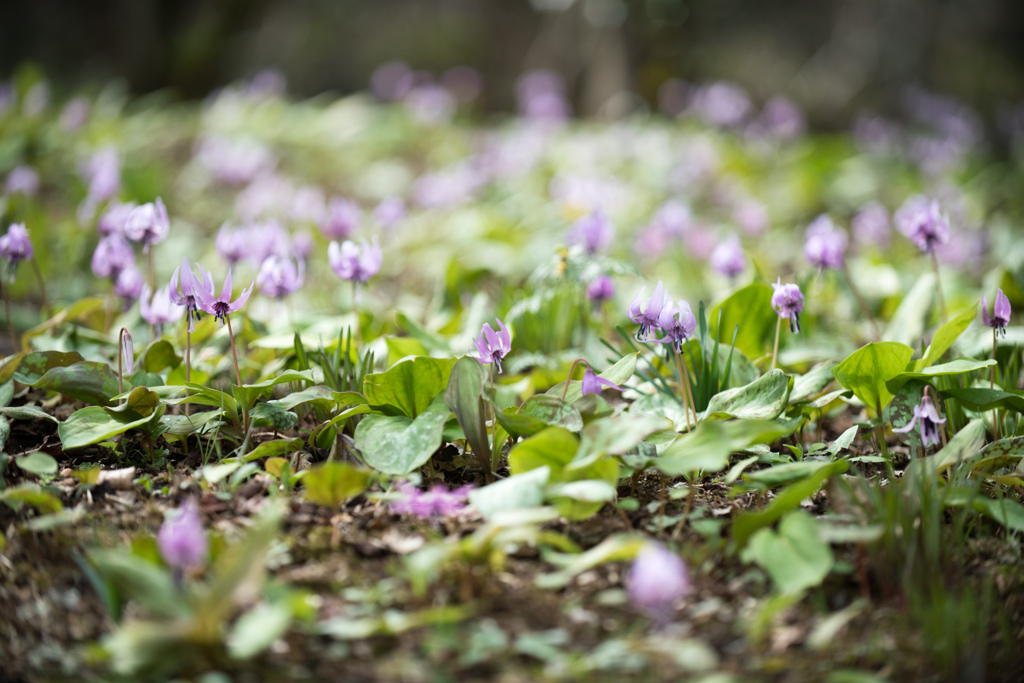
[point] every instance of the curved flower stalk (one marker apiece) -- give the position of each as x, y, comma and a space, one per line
921, 221
678, 323
189, 298
657, 580
787, 302
1000, 319
591, 383
222, 307
491, 346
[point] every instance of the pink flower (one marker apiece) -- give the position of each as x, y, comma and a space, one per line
182, 539
438, 501
657, 580
788, 302
492, 346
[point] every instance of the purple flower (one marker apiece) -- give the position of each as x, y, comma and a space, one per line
438, 501
265, 239
220, 307
113, 219
870, 225
721, 104
752, 216
350, 262
15, 246
592, 384
75, 113
783, 118
493, 346
430, 104
928, 416
657, 580
113, 254
788, 302
23, 179
182, 539
1000, 313
148, 224
158, 309
600, 289
391, 81
234, 162
281, 276
727, 257
128, 285
191, 290
920, 220
103, 174
826, 244
678, 323
308, 205
127, 351
233, 244
646, 312
389, 212
341, 219
593, 231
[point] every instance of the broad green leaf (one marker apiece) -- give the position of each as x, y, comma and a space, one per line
908, 322
780, 475
464, 396
256, 629
87, 381
763, 399
218, 472
10, 367
795, 557
843, 441
959, 366
205, 396
615, 548
248, 394
812, 383
620, 373
1005, 511
998, 454
76, 311
866, 370
159, 356
6, 393
141, 401
5, 433
615, 436
280, 419
982, 399
95, 424
750, 307
37, 463
945, 336
409, 386
183, 425
333, 483
709, 446
746, 523
525, 490
538, 413
585, 490
396, 444
34, 365
138, 579
403, 347
31, 494
318, 395
276, 447
900, 411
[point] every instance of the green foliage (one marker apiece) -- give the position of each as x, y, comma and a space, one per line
409, 387
396, 444
795, 556
866, 371
333, 483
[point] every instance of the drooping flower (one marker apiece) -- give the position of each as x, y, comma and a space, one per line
646, 312
492, 346
148, 224
233, 244
220, 307
929, 420
678, 323
438, 501
341, 219
22, 179
354, 263
920, 220
112, 220
657, 580
1000, 313
128, 285
870, 225
103, 175
158, 309
825, 244
600, 289
281, 276
191, 290
16, 246
127, 351
593, 232
592, 384
182, 539
788, 302
112, 256
727, 257
389, 212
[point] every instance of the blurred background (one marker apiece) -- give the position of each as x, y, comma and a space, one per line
834, 58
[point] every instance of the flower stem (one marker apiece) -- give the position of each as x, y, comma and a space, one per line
234, 354
683, 381
188, 365
991, 384
882, 446
152, 273
938, 286
689, 390
860, 301
10, 327
775, 350
568, 377
42, 288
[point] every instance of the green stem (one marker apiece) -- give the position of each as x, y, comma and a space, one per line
683, 381
991, 384
882, 446
42, 289
7, 312
234, 353
775, 349
938, 286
